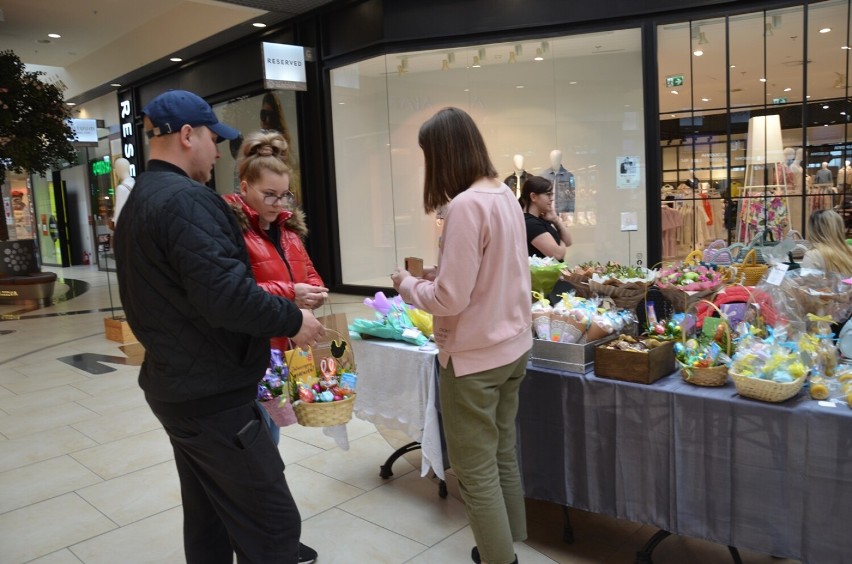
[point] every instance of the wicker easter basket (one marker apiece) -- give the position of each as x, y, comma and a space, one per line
766, 390
751, 271
713, 376
328, 414
625, 296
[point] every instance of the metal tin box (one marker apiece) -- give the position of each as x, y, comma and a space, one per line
568, 357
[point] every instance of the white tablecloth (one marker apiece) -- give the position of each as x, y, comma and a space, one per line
397, 388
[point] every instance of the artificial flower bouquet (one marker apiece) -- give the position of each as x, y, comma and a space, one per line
395, 319
685, 283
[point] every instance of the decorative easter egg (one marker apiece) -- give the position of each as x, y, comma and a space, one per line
819, 391
691, 344
326, 396
679, 349
659, 329
316, 387
306, 395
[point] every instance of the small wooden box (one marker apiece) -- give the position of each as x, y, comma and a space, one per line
135, 353
633, 366
118, 330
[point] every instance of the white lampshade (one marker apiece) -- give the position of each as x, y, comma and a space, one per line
764, 140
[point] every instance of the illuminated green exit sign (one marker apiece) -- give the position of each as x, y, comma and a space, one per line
779, 100
674, 80
100, 168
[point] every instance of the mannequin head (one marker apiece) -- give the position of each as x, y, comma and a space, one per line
555, 159
847, 164
824, 165
122, 168
789, 155
519, 162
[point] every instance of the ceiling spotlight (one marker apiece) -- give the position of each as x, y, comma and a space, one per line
705, 99
825, 106
787, 89
445, 65
698, 52
733, 66
115, 84
825, 30
70, 104
519, 86
538, 56
476, 64
573, 82
702, 39
846, 47
675, 92
54, 35
511, 56
176, 59
259, 24
762, 80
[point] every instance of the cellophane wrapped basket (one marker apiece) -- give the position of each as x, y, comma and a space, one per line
685, 284
711, 376
766, 390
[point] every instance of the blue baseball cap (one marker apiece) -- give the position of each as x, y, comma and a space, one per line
172, 110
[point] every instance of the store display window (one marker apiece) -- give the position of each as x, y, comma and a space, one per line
567, 108
754, 122
276, 110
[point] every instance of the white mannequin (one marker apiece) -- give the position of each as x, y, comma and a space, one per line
555, 160
518, 160
796, 169
125, 185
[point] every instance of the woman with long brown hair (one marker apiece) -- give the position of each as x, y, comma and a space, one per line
479, 296
831, 253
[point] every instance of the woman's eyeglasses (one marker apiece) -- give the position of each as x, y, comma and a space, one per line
286, 199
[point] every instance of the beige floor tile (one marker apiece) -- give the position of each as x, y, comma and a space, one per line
294, 451
20, 452
27, 403
110, 382
315, 492
311, 435
5, 392
43, 528
116, 401
41, 421
130, 498
119, 425
37, 378
355, 540
127, 455
43, 480
359, 465
63, 556
456, 548
410, 506
155, 540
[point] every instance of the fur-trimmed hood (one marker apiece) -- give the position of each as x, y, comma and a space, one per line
248, 218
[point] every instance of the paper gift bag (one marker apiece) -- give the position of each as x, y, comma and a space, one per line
300, 363
336, 332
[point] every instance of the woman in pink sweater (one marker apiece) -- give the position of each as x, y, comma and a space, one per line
479, 295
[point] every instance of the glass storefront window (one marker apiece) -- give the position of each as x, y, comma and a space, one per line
271, 110
766, 105
578, 98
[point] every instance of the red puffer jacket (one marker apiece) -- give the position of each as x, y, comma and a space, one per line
271, 273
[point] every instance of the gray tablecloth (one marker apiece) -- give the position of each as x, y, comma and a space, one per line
701, 462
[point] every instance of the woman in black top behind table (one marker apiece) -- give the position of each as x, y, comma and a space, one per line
547, 236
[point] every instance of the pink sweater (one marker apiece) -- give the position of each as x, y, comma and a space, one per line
480, 299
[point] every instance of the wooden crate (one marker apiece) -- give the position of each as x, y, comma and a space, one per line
118, 330
634, 366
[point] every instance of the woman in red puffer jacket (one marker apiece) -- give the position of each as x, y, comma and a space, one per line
273, 228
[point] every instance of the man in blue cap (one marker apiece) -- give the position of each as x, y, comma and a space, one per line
187, 289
